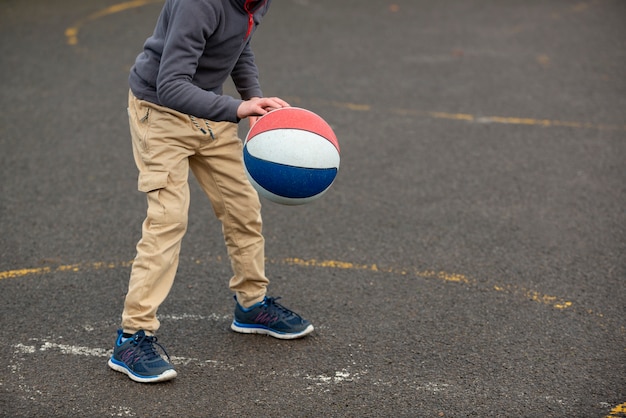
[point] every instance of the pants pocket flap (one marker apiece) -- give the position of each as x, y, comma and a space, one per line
152, 180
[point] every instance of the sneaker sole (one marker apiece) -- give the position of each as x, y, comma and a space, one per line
166, 375
251, 329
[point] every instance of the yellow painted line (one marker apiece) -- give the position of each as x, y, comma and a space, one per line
353, 106
71, 33
430, 274
453, 116
467, 117
543, 60
553, 301
618, 412
13, 274
508, 120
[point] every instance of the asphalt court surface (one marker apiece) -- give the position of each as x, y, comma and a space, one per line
468, 261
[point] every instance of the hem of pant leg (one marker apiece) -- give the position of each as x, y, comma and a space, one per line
249, 303
148, 333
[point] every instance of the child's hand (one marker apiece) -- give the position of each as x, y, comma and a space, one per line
258, 106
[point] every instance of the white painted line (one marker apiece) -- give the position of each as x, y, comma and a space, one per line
36, 345
45, 345
194, 317
75, 350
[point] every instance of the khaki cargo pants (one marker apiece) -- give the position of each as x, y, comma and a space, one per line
166, 144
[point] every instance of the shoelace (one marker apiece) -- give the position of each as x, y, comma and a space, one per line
275, 306
145, 344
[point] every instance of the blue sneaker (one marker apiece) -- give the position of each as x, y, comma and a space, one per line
138, 358
271, 318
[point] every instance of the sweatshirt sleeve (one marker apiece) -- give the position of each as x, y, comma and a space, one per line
191, 23
245, 75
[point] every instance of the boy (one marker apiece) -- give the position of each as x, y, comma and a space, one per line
179, 120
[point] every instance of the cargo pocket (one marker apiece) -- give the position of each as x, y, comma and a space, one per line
151, 183
152, 180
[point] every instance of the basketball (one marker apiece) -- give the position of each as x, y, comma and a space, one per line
291, 156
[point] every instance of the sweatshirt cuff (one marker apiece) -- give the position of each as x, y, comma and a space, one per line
232, 110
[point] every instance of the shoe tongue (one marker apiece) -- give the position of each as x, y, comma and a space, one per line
139, 335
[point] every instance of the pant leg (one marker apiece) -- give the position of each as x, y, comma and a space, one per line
218, 166
161, 148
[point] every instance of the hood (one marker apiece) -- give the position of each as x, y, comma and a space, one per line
248, 6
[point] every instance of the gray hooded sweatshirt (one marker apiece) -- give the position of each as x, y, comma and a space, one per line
195, 47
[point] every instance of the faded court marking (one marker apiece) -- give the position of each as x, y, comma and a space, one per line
556, 302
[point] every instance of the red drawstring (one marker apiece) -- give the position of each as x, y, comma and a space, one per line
250, 24
247, 6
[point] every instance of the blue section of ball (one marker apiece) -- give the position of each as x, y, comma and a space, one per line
288, 181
